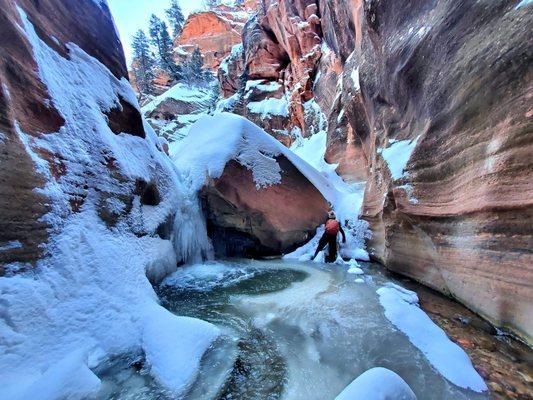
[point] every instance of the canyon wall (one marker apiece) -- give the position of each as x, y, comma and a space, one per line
214, 33
454, 79
71, 134
430, 103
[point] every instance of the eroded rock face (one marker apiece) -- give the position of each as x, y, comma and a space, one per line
251, 222
230, 72
214, 33
51, 125
456, 77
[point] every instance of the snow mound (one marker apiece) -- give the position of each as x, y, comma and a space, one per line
68, 379
174, 347
269, 107
181, 92
401, 308
377, 384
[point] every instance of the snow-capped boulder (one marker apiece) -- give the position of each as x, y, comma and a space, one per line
377, 384
173, 112
259, 198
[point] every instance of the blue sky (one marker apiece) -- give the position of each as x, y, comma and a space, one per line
131, 15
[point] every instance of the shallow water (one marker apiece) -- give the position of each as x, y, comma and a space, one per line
290, 331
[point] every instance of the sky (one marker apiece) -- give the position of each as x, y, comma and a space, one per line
132, 15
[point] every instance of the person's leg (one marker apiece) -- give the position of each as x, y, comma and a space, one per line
321, 244
332, 253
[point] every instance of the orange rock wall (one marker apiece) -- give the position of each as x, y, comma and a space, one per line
213, 33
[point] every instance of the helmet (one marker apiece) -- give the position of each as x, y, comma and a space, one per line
331, 215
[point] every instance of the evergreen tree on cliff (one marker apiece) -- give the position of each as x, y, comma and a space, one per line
175, 16
143, 63
210, 4
161, 40
194, 69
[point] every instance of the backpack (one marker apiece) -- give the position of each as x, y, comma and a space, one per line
332, 227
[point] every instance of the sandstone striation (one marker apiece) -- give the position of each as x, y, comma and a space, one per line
454, 78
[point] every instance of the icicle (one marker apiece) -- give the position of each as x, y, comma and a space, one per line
191, 243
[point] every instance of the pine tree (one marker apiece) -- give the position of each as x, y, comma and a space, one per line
143, 63
161, 40
210, 4
175, 16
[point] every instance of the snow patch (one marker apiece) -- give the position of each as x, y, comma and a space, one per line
397, 156
523, 3
181, 92
174, 347
355, 78
409, 190
377, 384
402, 310
269, 107
12, 245
262, 85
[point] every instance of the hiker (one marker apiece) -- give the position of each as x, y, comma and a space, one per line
333, 227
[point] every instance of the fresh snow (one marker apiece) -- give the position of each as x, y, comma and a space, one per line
523, 3
174, 347
402, 310
377, 384
181, 92
269, 107
90, 298
356, 271
346, 199
262, 85
355, 78
397, 156
215, 140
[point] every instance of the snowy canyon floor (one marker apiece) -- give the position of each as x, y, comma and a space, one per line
293, 330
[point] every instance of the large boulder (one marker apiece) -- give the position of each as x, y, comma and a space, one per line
246, 221
259, 199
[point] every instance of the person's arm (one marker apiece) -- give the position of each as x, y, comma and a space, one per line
342, 233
